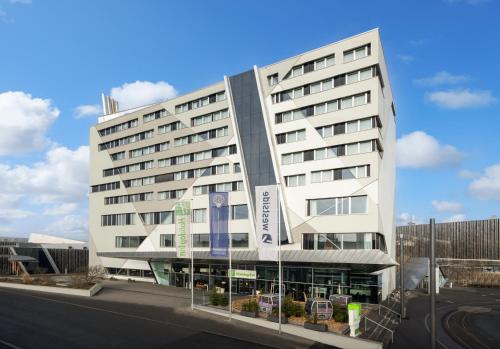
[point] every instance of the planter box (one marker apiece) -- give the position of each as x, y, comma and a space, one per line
248, 314
316, 327
272, 318
54, 289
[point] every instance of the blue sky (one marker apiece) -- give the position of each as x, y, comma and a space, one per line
58, 55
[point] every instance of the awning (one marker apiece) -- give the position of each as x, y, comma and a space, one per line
362, 261
15, 258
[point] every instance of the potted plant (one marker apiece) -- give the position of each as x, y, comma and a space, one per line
311, 323
274, 316
214, 298
250, 308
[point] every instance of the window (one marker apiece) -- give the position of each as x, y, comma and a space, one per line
346, 241
155, 115
357, 53
199, 215
201, 240
173, 126
205, 119
290, 137
128, 241
237, 167
272, 79
337, 206
122, 199
202, 136
167, 240
117, 219
118, 156
310, 66
117, 128
171, 194
126, 140
153, 218
239, 212
296, 180
321, 108
219, 187
239, 240
146, 165
201, 102
105, 187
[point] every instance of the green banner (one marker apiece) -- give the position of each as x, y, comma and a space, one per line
243, 274
183, 237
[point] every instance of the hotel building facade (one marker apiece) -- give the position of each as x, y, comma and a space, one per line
320, 125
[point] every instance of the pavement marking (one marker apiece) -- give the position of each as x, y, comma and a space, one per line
10, 345
162, 322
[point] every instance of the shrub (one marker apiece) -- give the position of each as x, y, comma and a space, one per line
95, 273
340, 314
223, 300
251, 306
214, 297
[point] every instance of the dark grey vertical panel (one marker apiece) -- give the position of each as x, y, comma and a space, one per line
252, 132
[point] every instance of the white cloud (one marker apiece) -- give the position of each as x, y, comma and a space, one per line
139, 93
7, 214
447, 206
60, 210
420, 150
24, 120
487, 187
87, 110
72, 226
442, 78
468, 174
462, 98
455, 218
61, 178
406, 218
406, 58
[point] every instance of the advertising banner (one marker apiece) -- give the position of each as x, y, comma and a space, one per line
266, 221
183, 236
243, 274
219, 221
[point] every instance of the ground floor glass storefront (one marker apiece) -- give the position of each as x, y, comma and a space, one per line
299, 281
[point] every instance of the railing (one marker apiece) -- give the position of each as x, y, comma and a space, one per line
385, 328
387, 308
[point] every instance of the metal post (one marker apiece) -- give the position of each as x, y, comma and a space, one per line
401, 276
230, 262
279, 260
192, 254
432, 282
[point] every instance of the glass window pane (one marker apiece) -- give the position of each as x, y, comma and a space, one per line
365, 147
330, 61
352, 77
320, 109
332, 106
365, 124
327, 84
298, 92
348, 56
328, 131
349, 173
352, 148
346, 102
359, 99
320, 63
316, 87
297, 71
352, 126
327, 176
366, 74
358, 204
316, 177
361, 171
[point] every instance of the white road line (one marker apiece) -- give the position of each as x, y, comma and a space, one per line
10, 345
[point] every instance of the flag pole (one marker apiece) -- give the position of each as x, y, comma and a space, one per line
230, 259
280, 281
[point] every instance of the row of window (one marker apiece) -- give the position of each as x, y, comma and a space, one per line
239, 240
349, 126
105, 187
155, 148
337, 206
331, 152
218, 188
117, 128
198, 156
236, 212
193, 173
171, 194
155, 115
346, 241
123, 199
201, 136
322, 108
324, 85
128, 241
329, 175
118, 219
126, 140
200, 102
208, 118
357, 53
290, 137
140, 166
173, 126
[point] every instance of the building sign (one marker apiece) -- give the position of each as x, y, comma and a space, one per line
219, 216
243, 274
354, 312
266, 220
183, 237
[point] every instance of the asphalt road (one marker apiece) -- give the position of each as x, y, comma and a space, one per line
38, 320
466, 318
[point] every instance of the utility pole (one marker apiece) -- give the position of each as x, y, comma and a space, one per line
401, 276
432, 281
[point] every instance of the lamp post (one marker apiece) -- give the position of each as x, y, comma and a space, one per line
432, 288
401, 276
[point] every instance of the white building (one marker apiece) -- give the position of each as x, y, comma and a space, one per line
321, 125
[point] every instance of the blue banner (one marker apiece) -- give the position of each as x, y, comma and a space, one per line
219, 220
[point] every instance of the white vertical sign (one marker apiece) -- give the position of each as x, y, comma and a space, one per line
266, 211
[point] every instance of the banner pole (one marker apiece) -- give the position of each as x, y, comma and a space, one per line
192, 256
230, 260
280, 281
